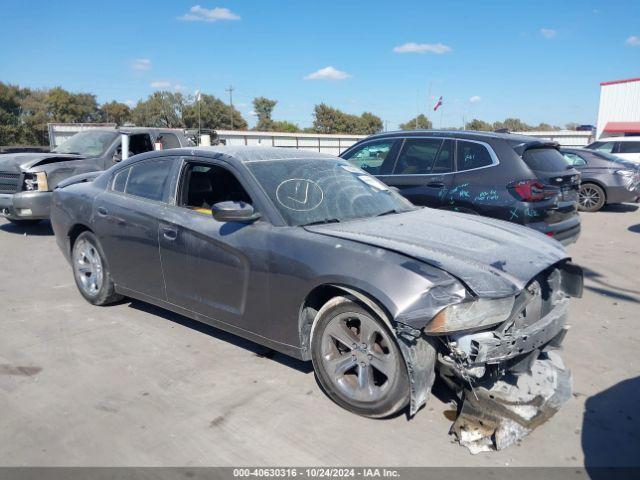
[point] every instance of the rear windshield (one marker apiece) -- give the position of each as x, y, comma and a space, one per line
545, 160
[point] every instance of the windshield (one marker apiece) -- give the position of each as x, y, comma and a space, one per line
318, 191
88, 143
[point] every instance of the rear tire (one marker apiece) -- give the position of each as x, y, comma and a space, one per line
90, 271
357, 360
591, 197
24, 223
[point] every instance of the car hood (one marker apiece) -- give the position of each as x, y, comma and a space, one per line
493, 258
16, 162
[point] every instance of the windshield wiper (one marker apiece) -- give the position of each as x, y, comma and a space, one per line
321, 222
388, 212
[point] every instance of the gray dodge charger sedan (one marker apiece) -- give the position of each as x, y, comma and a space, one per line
315, 258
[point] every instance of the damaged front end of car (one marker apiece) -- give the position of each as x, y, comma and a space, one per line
498, 355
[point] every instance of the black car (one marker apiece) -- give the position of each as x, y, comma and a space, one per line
520, 179
606, 178
317, 259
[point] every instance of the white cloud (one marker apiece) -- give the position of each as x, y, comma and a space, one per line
328, 73
166, 85
160, 84
129, 103
253, 113
633, 41
201, 14
548, 32
437, 48
475, 99
141, 64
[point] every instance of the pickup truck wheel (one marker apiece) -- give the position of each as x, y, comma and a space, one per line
91, 272
591, 197
24, 223
357, 360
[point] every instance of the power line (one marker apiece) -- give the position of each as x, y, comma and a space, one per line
230, 90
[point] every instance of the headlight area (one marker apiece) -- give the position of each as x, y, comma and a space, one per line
470, 315
35, 182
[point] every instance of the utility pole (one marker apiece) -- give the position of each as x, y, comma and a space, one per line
230, 90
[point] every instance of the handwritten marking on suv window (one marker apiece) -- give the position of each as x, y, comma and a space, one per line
299, 194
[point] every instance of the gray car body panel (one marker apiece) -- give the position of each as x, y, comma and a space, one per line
59, 167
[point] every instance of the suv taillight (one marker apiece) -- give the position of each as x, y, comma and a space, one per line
530, 191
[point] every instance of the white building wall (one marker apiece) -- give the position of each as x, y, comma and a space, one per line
566, 138
619, 102
333, 144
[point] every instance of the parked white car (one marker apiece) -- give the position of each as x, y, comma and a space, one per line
627, 148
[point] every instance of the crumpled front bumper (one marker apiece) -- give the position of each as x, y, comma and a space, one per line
498, 414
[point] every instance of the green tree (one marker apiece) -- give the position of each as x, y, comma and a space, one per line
421, 122
214, 114
161, 109
327, 119
263, 108
370, 124
479, 125
115, 112
513, 125
66, 107
284, 126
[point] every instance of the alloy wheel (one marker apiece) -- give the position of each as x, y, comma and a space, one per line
357, 355
589, 197
88, 267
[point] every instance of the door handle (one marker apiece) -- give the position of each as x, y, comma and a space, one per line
170, 233
435, 184
102, 211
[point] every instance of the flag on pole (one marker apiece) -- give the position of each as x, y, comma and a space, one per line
438, 104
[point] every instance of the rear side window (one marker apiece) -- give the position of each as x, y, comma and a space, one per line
628, 147
472, 155
169, 140
573, 159
417, 156
544, 160
371, 156
140, 143
120, 180
150, 179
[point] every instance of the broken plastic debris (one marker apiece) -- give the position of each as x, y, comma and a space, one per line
500, 414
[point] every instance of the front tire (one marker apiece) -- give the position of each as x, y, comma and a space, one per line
357, 360
90, 271
591, 197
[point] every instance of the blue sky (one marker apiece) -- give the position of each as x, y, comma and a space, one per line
540, 61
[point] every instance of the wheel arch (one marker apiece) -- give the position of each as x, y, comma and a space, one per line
74, 233
320, 295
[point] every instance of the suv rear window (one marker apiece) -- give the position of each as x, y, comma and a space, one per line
544, 160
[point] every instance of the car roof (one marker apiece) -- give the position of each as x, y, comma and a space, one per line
247, 154
619, 139
468, 134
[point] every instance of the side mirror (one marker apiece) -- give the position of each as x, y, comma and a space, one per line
117, 155
234, 212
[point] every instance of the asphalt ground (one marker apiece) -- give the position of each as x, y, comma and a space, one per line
133, 385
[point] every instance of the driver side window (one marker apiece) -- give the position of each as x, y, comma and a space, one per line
371, 156
204, 185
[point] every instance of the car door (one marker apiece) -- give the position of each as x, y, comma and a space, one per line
477, 182
126, 222
423, 171
213, 268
